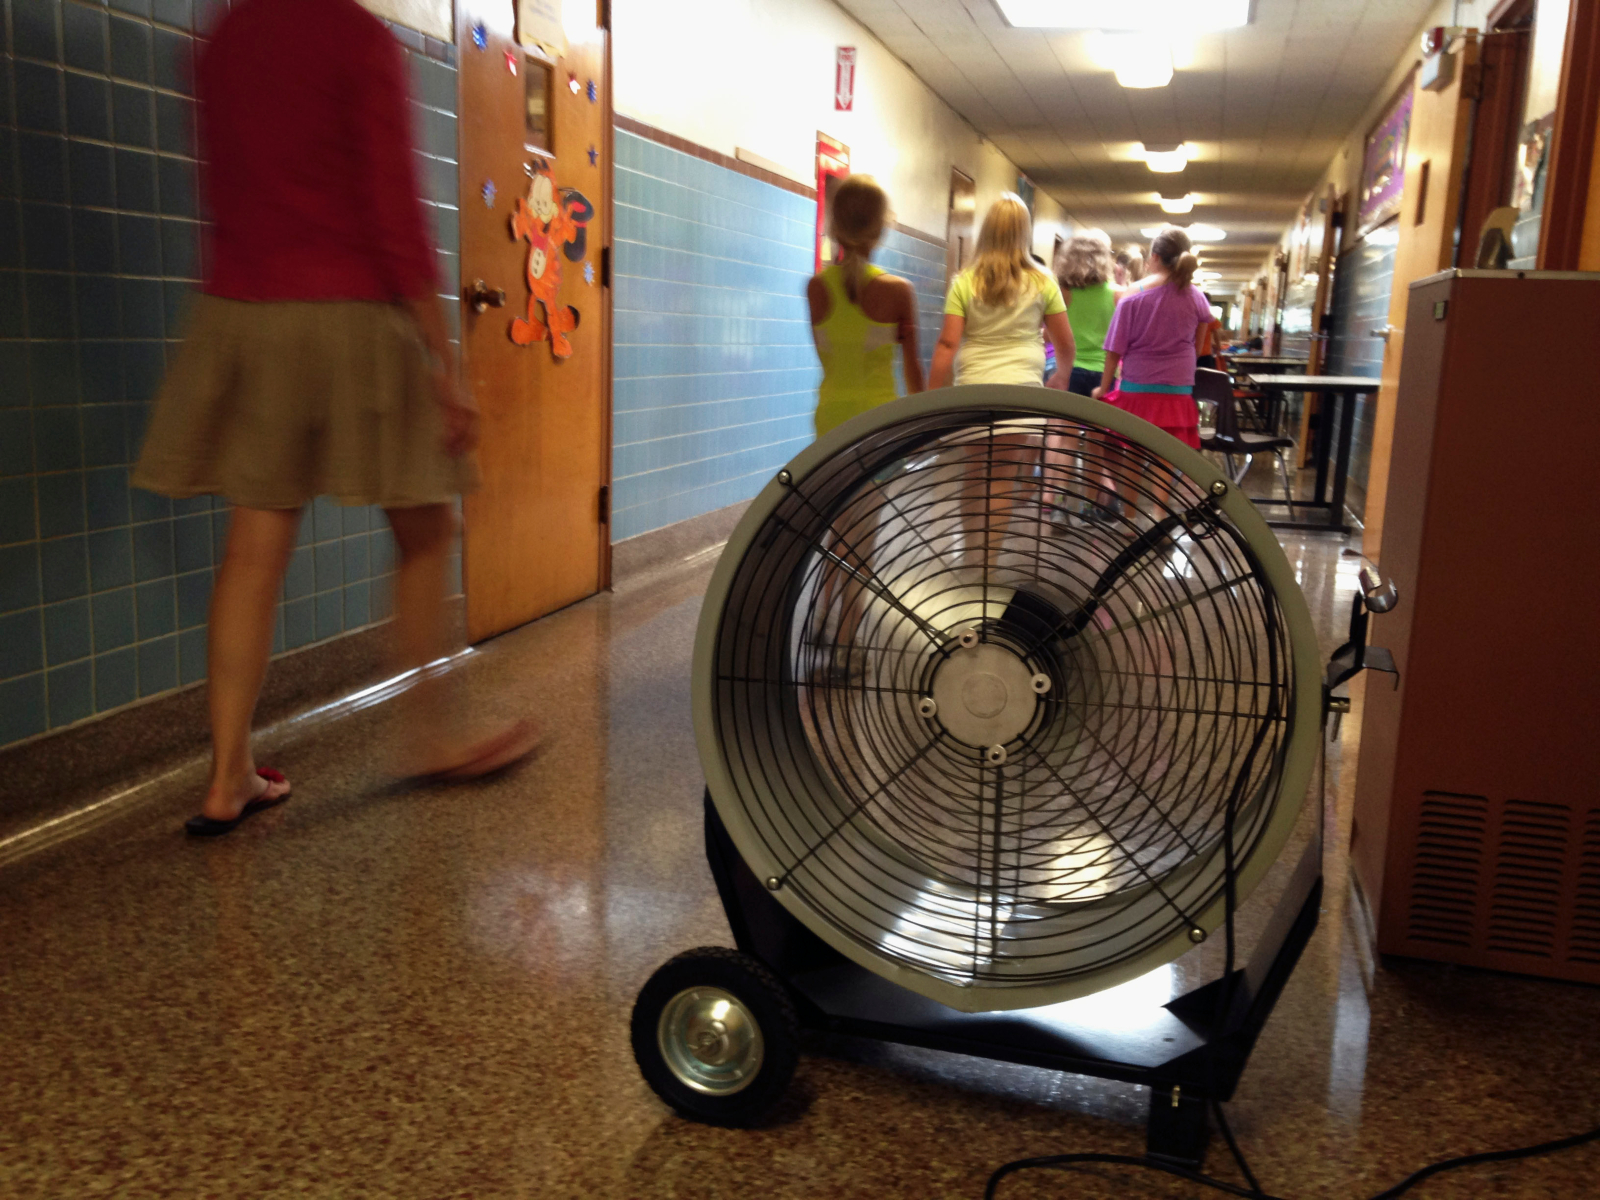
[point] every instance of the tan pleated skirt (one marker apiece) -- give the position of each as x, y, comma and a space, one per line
271, 404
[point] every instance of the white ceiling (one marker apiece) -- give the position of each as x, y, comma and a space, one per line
1266, 107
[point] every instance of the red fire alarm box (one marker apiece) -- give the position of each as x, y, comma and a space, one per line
833, 164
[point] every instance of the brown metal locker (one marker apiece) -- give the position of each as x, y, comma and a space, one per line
1477, 806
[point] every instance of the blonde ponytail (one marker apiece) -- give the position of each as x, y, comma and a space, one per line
856, 219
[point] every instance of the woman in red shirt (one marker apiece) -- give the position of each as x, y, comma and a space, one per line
317, 361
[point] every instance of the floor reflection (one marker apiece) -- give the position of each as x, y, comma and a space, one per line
425, 994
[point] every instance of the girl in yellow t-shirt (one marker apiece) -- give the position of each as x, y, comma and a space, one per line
992, 316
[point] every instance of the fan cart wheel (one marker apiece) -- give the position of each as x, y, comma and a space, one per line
716, 1036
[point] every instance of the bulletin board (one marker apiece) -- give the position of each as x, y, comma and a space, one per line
1383, 166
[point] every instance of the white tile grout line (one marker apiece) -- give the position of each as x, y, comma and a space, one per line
46, 833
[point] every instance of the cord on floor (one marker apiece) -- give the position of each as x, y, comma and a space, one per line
1060, 1162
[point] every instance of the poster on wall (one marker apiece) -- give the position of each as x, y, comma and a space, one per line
539, 26
1026, 192
1383, 166
844, 79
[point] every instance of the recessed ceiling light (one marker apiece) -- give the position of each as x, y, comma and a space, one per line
1136, 60
1141, 16
1197, 234
1177, 204
1165, 160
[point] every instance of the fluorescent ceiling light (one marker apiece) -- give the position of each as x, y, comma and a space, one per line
1177, 204
1138, 16
1138, 61
1165, 160
1197, 233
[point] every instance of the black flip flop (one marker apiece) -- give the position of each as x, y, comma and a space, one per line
204, 826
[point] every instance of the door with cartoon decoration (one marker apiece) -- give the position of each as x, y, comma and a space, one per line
535, 145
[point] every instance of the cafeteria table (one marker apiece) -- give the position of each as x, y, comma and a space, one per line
1338, 413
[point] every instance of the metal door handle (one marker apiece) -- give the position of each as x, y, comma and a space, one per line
482, 297
1383, 331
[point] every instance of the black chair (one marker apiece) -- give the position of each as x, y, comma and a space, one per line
1225, 437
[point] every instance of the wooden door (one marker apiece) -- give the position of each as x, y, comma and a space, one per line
1436, 154
536, 223
961, 223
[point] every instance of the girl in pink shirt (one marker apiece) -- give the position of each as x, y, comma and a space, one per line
1152, 338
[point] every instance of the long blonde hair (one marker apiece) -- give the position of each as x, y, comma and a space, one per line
1084, 260
1172, 249
1003, 261
856, 218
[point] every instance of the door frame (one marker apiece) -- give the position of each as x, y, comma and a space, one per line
466, 194
952, 247
608, 270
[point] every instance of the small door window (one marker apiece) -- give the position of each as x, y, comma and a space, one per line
538, 76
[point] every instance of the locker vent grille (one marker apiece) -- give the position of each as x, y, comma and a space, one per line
1585, 944
1444, 885
1524, 909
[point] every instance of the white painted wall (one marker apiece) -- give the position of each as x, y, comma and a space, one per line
1344, 172
758, 74
436, 18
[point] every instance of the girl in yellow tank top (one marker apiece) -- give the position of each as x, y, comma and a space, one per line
859, 313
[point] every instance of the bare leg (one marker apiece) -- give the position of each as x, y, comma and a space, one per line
434, 745
986, 509
243, 602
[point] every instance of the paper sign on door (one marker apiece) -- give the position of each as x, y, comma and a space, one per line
539, 25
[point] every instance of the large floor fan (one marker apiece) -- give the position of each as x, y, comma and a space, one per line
1004, 698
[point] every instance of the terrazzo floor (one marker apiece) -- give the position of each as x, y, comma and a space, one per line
374, 992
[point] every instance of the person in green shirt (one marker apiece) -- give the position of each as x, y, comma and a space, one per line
1084, 268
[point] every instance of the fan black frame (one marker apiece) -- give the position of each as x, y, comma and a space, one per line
1191, 1052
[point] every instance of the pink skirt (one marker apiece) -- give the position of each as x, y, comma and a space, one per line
1179, 415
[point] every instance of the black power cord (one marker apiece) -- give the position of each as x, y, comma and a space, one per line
1253, 1192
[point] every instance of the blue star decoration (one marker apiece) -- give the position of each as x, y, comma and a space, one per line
594, 156
488, 193
594, 92
480, 36
588, 273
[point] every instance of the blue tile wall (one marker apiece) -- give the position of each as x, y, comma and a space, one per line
921, 262
104, 590
1362, 281
715, 373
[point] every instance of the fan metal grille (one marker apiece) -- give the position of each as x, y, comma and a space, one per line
1108, 687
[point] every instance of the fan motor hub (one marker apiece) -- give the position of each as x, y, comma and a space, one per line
985, 694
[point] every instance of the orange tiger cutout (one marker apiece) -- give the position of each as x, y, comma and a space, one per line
552, 221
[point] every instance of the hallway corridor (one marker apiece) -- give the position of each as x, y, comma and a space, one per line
374, 992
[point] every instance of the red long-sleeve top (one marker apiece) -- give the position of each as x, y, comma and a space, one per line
306, 161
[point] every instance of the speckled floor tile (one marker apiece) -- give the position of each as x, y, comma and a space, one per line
371, 992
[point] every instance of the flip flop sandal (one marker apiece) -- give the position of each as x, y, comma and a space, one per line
204, 826
496, 754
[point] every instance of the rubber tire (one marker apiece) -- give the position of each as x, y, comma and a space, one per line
760, 991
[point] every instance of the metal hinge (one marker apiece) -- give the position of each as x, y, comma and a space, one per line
605, 504
605, 266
